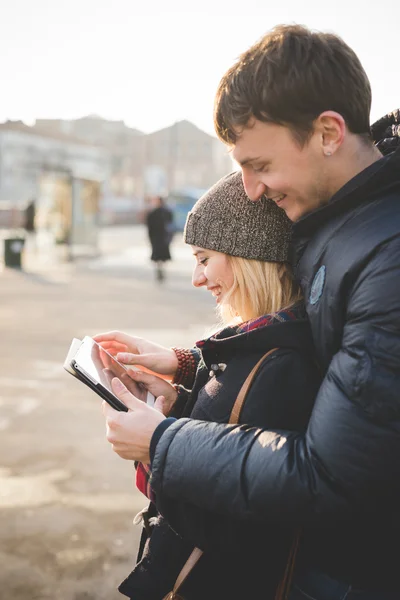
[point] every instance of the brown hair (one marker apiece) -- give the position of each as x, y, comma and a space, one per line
290, 77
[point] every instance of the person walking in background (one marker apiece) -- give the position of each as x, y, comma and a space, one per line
30, 214
159, 222
29, 224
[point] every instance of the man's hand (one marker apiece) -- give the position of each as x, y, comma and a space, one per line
137, 351
130, 432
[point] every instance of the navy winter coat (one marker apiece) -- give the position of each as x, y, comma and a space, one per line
341, 478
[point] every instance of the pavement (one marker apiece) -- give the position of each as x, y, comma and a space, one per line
67, 501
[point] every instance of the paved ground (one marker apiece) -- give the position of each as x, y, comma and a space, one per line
67, 502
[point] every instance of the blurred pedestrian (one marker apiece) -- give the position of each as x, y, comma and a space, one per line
29, 224
159, 222
29, 216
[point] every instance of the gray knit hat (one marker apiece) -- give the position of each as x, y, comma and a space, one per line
225, 220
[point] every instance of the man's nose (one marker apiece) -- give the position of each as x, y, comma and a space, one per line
254, 188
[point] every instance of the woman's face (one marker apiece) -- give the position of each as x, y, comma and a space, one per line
212, 270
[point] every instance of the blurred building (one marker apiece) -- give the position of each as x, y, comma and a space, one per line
132, 165
62, 174
181, 162
94, 130
123, 192
164, 162
187, 156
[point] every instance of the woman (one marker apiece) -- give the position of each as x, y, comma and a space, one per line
241, 255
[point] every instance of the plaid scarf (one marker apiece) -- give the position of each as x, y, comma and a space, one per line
143, 472
297, 311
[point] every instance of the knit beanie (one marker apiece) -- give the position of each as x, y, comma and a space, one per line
226, 220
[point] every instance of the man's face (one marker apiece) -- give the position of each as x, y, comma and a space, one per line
273, 163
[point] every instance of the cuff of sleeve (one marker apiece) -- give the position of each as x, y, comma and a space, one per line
163, 426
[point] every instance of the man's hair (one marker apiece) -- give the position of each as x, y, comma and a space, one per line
289, 77
259, 288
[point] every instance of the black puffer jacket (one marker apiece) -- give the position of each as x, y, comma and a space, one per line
257, 555
341, 479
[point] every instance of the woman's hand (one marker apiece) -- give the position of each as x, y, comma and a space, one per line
139, 383
131, 350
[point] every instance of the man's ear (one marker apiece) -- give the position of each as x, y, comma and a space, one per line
331, 128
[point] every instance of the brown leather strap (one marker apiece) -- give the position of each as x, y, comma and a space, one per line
233, 419
187, 567
283, 589
238, 406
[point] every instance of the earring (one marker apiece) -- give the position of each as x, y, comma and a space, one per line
328, 153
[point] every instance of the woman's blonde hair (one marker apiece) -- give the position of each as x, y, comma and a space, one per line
259, 288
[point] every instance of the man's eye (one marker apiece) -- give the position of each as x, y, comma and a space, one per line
203, 261
259, 169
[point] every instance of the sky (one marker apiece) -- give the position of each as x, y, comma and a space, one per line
151, 63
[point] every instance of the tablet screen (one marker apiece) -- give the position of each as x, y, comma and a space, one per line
97, 363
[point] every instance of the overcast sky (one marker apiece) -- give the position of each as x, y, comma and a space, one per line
153, 66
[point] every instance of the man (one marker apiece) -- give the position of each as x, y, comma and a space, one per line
295, 110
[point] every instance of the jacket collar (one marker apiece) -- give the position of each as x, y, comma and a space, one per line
295, 334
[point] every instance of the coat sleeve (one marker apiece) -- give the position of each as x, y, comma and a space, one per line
284, 404
348, 459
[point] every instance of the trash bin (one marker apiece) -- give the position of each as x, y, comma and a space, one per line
13, 247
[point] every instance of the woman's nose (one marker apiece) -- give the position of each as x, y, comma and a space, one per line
198, 277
